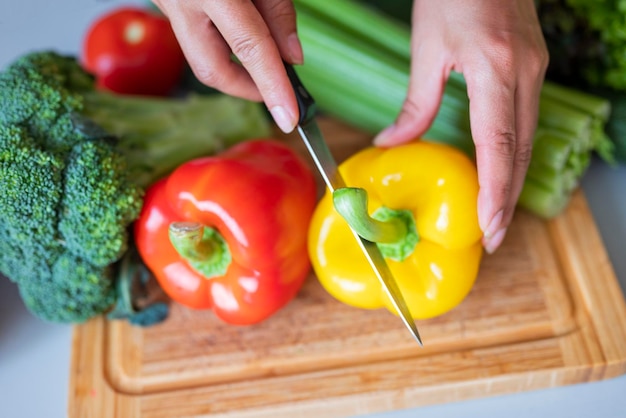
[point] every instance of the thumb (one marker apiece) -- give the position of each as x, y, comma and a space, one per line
426, 85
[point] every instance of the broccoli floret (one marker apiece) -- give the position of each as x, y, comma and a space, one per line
42, 93
24, 257
70, 290
31, 184
98, 203
74, 163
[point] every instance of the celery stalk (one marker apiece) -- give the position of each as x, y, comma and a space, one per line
551, 148
558, 116
585, 102
343, 107
563, 181
362, 22
541, 200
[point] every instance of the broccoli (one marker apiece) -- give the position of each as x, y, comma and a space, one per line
74, 164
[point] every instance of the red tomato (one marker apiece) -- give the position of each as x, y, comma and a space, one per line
132, 50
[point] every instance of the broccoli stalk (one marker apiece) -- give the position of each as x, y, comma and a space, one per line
156, 135
136, 302
74, 163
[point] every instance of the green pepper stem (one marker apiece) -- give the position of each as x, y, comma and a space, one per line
186, 237
351, 203
393, 230
203, 248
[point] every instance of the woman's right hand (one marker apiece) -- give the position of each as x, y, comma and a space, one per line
260, 34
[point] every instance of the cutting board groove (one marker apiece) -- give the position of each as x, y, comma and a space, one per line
546, 310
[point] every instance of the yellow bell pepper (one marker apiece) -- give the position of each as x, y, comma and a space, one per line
420, 208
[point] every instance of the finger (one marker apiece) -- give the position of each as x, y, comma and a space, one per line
249, 38
280, 16
429, 73
526, 114
207, 53
493, 126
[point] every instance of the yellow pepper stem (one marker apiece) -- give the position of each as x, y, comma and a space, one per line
203, 248
393, 230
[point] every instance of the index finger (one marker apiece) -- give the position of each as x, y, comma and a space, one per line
250, 40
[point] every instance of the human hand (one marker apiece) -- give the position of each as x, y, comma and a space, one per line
499, 47
260, 33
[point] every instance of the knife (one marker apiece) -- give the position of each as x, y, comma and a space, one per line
327, 166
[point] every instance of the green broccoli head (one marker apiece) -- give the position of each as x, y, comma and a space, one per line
66, 194
69, 290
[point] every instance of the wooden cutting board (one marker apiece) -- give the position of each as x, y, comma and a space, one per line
546, 310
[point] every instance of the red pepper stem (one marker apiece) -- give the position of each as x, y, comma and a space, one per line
393, 230
203, 248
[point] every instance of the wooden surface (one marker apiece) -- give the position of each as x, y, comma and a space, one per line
546, 310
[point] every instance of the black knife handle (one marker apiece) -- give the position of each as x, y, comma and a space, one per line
306, 103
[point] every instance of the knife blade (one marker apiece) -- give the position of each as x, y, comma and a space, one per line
327, 166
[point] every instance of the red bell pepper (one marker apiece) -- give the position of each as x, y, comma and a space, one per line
229, 232
132, 50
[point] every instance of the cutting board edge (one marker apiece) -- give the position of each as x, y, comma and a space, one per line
97, 398
602, 300
124, 382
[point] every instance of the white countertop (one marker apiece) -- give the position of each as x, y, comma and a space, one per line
35, 356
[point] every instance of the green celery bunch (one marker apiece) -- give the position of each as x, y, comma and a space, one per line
357, 68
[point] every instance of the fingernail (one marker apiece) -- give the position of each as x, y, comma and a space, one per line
492, 243
295, 49
285, 121
382, 136
494, 225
